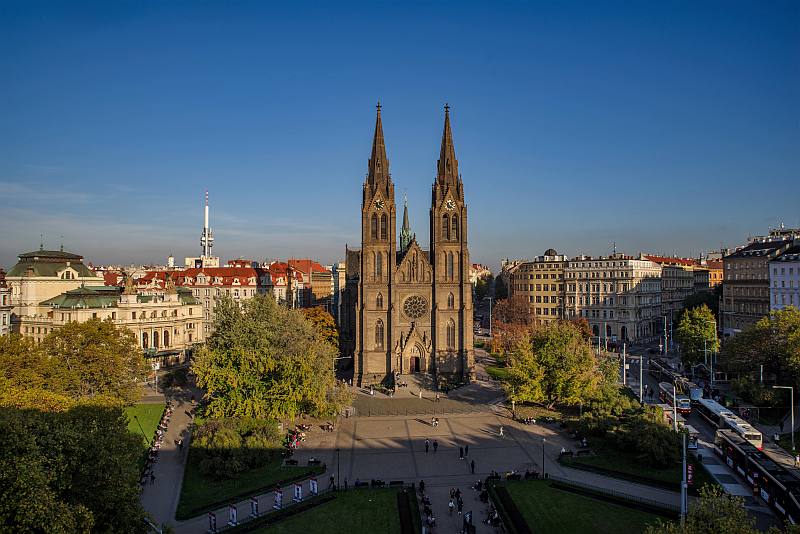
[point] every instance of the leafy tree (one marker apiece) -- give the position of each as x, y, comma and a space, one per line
696, 330
79, 361
707, 298
582, 323
774, 341
226, 447
500, 288
715, 511
324, 323
554, 364
514, 310
481, 288
69, 471
651, 443
266, 361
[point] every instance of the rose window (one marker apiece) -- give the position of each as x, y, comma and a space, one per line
415, 306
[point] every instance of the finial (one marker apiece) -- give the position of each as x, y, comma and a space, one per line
378, 107
405, 199
62, 244
446, 108
41, 241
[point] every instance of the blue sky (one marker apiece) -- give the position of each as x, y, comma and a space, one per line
667, 127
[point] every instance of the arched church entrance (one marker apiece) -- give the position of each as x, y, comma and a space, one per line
415, 361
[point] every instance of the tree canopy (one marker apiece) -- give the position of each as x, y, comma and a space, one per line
78, 361
554, 364
324, 324
774, 342
266, 361
697, 331
500, 288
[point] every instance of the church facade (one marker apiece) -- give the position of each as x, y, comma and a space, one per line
409, 310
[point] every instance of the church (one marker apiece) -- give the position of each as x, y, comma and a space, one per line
409, 310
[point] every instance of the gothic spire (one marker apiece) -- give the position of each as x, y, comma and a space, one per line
447, 164
405, 233
378, 162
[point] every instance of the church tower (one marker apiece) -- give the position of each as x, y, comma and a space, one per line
378, 259
452, 291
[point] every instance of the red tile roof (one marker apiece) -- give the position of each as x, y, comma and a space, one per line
667, 260
714, 264
307, 266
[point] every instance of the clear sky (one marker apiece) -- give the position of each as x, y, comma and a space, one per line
663, 126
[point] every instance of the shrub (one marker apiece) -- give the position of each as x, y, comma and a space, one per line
226, 447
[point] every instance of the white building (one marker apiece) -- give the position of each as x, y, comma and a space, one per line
784, 280
5, 305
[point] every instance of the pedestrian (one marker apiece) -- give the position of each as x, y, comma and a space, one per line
422, 486
435, 445
427, 445
472, 466
460, 505
153, 476
332, 482
452, 493
437, 397
461, 453
345, 484
797, 461
466, 450
458, 494
420, 394
451, 505
501, 431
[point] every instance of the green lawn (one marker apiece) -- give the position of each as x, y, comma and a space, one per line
143, 420
199, 494
608, 457
498, 373
352, 512
548, 509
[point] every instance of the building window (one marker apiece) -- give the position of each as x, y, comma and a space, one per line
445, 226
379, 301
145, 344
454, 227
374, 226
155, 340
451, 335
379, 265
384, 227
379, 334
451, 301
166, 338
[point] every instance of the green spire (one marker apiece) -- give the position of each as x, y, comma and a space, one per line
405, 233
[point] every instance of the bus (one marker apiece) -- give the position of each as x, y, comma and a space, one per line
682, 402
721, 417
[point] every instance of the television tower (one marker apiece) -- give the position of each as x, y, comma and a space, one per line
207, 238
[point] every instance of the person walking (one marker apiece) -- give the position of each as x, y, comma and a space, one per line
152, 478
435, 446
501, 431
466, 450
331, 482
427, 445
461, 453
422, 486
460, 505
472, 466
451, 505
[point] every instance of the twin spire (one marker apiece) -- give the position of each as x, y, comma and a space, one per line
447, 166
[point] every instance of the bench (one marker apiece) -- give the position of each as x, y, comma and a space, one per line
312, 462
566, 454
584, 452
396, 483
291, 462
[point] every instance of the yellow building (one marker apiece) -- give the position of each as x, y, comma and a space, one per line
541, 282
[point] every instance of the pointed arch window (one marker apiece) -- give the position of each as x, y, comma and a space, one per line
379, 334
379, 301
374, 226
445, 226
454, 227
451, 335
451, 301
450, 266
379, 266
384, 226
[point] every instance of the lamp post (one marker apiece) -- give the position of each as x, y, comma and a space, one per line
674, 408
337, 469
490, 316
544, 440
791, 400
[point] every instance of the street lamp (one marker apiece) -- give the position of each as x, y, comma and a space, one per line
490, 316
791, 400
337, 469
544, 440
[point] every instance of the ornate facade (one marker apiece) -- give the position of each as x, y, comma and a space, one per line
409, 310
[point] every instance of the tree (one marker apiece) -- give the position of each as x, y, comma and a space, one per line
514, 310
500, 288
481, 288
69, 471
774, 342
266, 361
715, 511
79, 361
324, 323
696, 332
709, 298
554, 364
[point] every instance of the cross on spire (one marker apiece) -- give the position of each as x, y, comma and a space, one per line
447, 165
378, 162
